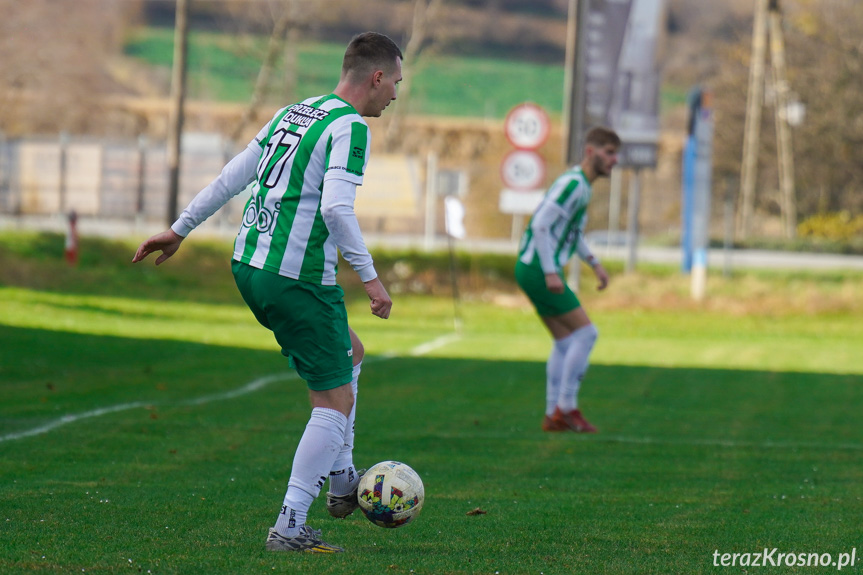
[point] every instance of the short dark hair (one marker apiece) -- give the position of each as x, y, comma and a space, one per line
601, 136
370, 51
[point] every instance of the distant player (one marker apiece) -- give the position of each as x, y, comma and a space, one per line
554, 234
305, 166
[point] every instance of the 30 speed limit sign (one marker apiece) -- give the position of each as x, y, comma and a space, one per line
527, 126
523, 170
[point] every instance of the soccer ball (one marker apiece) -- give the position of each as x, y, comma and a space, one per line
391, 494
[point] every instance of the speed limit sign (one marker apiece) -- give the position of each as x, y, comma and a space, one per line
523, 170
527, 126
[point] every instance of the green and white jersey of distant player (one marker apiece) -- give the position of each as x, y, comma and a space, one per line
563, 210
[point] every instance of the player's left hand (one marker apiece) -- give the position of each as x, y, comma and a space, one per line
381, 304
601, 275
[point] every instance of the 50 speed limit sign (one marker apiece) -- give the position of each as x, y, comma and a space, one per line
527, 126
523, 170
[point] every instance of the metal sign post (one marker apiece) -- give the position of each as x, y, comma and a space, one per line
697, 192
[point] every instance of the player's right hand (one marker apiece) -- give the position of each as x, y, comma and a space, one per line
554, 283
167, 242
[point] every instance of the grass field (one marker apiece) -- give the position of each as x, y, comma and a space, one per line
147, 426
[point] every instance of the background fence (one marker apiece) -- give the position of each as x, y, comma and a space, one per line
110, 183
106, 179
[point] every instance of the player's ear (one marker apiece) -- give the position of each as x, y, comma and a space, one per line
377, 77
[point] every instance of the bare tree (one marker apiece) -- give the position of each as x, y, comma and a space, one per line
176, 115
424, 16
828, 51
282, 40
824, 63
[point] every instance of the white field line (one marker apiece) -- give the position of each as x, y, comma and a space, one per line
255, 385
421, 349
730, 443
71, 418
682, 442
250, 387
434, 344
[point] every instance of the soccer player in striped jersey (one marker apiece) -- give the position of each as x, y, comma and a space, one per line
304, 167
554, 234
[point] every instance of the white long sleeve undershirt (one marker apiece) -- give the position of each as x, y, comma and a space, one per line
235, 177
583, 251
337, 210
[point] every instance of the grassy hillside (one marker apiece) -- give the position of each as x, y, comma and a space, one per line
224, 68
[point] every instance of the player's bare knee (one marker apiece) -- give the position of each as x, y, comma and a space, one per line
357, 349
340, 398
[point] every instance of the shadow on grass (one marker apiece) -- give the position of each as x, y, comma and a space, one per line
686, 461
45, 374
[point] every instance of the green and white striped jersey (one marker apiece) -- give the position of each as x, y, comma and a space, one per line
557, 225
304, 144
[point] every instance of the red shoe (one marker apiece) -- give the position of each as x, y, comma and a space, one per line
554, 423
581, 424
572, 421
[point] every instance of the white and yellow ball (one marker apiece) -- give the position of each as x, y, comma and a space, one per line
391, 494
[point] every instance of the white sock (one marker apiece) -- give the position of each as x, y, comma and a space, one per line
343, 476
343, 480
554, 373
318, 448
575, 366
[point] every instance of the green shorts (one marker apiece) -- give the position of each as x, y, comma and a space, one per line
310, 323
531, 280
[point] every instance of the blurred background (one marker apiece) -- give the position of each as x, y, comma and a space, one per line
87, 112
